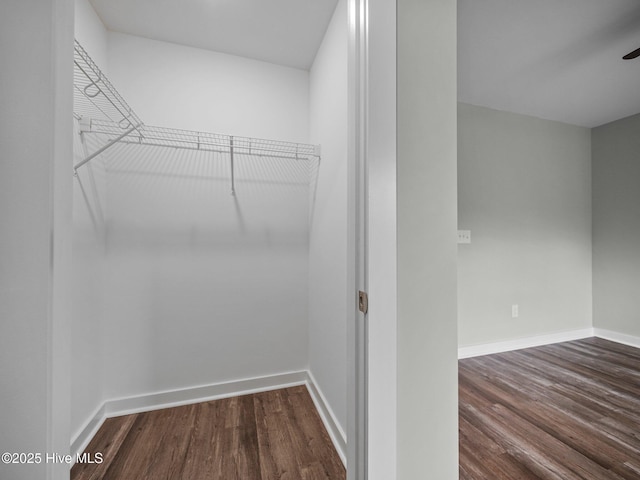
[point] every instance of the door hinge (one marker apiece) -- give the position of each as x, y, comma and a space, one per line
363, 301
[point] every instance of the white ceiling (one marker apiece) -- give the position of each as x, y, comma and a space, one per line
553, 59
284, 32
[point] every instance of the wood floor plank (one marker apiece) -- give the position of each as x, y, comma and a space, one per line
131, 461
275, 438
314, 471
106, 441
241, 456
313, 437
154, 448
276, 435
203, 450
169, 450
565, 411
580, 435
480, 454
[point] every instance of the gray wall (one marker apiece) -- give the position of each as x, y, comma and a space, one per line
616, 226
426, 181
525, 193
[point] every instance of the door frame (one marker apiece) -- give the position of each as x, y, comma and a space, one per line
372, 349
372, 344
357, 242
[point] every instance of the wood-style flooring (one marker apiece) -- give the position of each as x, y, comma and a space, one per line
276, 435
563, 411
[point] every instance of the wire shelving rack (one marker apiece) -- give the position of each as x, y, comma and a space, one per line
100, 109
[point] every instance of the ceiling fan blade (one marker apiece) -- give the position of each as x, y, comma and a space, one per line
634, 54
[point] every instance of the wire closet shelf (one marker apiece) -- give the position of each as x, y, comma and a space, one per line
100, 109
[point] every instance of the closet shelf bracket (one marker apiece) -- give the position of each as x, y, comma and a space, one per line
233, 180
105, 147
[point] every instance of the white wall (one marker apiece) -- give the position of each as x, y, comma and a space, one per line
182, 87
35, 213
381, 238
197, 287
427, 383
616, 226
203, 287
91, 33
524, 190
328, 232
89, 212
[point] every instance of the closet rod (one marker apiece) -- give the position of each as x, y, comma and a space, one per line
103, 148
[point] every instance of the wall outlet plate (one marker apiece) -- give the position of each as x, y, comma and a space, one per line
464, 236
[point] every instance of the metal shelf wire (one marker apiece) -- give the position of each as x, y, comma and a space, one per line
205, 141
95, 96
100, 109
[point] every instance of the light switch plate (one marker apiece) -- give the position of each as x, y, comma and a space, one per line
464, 236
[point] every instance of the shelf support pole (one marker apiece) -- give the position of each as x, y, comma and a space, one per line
233, 181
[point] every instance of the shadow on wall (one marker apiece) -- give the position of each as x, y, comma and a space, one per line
89, 197
168, 197
209, 286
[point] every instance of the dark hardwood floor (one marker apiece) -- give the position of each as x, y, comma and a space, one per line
564, 411
264, 436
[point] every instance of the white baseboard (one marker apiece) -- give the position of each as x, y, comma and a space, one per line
175, 398
178, 397
338, 437
186, 396
518, 343
617, 337
84, 436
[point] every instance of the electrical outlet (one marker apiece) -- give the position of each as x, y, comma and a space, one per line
514, 311
464, 236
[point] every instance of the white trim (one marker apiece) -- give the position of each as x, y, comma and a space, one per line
83, 437
186, 396
358, 241
178, 397
329, 419
518, 343
623, 338
377, 445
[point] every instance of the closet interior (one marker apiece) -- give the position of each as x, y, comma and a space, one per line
100, 110
206, 265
